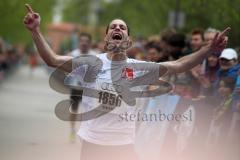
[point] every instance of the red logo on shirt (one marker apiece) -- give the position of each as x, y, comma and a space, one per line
127, 73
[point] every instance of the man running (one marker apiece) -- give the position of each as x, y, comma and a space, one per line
111, 136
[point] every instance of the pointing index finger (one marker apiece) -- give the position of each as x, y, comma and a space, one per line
225, 31
29, 8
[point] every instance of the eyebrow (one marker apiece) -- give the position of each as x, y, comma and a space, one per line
109, 25
119, 24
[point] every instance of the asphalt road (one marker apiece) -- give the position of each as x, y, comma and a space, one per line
29, 129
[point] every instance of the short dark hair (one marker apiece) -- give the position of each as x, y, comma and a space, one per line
151, 45
123, 21
198, 31
84, 34
167, 33
177, 40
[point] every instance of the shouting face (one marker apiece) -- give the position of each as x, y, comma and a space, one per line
117, 36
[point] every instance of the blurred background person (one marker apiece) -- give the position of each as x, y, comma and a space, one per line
222, 117
197, 39
84, 48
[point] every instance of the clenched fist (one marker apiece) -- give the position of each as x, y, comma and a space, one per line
32, 19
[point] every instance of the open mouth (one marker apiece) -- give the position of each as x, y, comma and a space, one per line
117, 36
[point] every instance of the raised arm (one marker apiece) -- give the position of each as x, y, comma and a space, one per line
188, 62
32, 23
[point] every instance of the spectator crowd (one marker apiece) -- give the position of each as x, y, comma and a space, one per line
211, 90
9, 57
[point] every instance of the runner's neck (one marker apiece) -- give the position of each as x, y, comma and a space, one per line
116, 56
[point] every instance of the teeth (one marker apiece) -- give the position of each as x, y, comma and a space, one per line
117, 36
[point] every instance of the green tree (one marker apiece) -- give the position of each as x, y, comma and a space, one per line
76, 11
12, 13
146, 17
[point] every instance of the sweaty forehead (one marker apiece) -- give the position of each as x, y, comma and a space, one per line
118, 21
